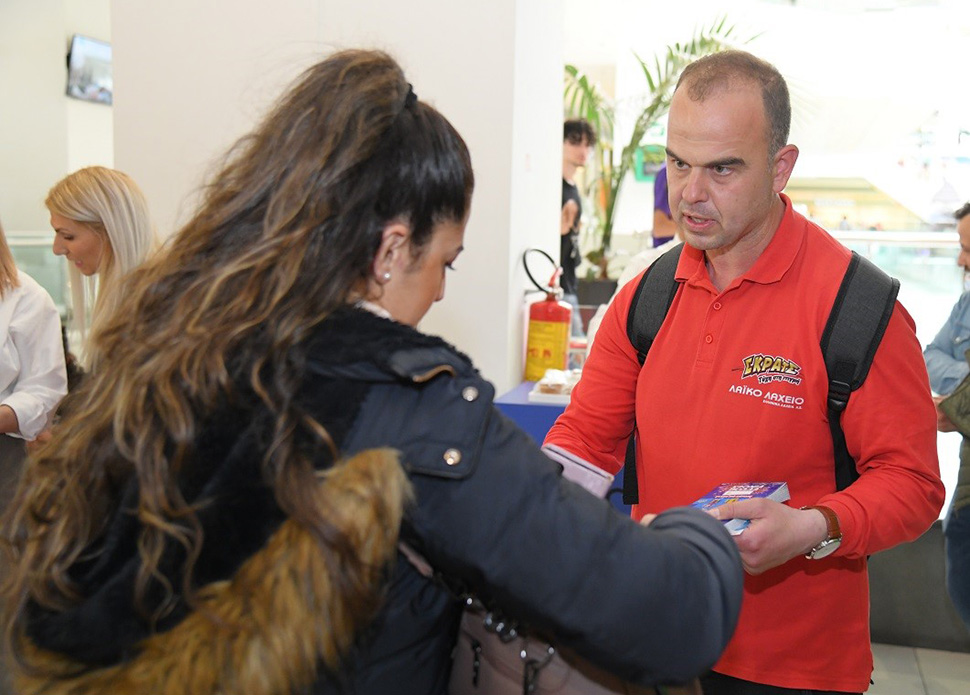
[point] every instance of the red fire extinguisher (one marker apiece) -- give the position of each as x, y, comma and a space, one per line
547, 345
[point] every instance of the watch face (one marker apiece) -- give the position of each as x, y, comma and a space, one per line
826, 547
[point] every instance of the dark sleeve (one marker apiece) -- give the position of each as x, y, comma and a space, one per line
651, 604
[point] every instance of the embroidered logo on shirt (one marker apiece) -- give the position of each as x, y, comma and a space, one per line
769, 368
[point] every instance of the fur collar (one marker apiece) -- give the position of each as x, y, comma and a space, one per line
352, 336
264, 631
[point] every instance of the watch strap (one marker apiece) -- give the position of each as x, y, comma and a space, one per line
833, 530
831, 522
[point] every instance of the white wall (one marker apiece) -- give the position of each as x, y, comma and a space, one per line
43, 133
33, 120
191, 77
90, 126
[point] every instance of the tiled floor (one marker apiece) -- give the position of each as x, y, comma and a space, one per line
908, 671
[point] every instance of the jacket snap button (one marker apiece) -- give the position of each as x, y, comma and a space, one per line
452, 457
469, 393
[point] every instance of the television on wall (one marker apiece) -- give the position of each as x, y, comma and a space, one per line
89, 70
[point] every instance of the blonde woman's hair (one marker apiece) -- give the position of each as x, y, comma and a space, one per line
8, 269
110, 204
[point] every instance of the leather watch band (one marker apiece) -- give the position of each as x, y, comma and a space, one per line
834, 530
833, 537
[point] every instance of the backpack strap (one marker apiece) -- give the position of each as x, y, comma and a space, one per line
648, 310
856, 324
658, 286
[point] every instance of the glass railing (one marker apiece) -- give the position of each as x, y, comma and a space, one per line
33, 255
929, 284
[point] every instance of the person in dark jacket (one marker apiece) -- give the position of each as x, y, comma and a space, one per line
221, 511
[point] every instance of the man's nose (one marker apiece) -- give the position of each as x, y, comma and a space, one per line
695, 186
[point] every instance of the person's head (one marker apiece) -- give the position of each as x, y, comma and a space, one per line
100, 220
347, 180
578, 139
727, 153
102, 227
963, 230
8, 269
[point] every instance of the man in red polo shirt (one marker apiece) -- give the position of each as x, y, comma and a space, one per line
734, 389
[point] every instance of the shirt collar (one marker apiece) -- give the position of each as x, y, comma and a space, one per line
374, 308
771, 265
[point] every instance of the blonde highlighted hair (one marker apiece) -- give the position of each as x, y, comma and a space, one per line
8, 269
109, 203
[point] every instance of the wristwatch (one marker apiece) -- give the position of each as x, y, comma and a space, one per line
832, 540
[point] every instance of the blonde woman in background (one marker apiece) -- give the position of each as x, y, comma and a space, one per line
32, 375
102, 227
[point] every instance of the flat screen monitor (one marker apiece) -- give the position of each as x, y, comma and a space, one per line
89, 70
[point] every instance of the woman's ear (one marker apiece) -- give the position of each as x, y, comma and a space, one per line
393, 253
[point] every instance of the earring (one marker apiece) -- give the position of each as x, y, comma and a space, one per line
387, 277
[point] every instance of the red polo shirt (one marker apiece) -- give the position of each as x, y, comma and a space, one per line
734, 389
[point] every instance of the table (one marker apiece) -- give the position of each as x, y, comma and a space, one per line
537, 418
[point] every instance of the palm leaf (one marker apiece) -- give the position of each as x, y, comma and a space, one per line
584, 99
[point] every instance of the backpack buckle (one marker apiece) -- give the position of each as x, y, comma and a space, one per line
839, 392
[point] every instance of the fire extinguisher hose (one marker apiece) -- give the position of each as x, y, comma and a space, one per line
525, 264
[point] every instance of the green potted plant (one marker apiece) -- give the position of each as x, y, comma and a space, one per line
607, 172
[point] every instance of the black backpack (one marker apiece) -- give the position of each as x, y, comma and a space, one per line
855, 327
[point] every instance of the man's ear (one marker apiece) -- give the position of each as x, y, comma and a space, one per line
785, 160
392, 254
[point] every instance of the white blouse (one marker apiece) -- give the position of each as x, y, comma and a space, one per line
33, 378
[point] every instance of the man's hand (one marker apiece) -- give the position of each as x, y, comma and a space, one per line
777, 532
943, 423
569, 212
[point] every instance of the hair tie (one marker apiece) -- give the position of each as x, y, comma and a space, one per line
410, 98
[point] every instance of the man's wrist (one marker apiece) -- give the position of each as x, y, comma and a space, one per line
818, 528
832, 535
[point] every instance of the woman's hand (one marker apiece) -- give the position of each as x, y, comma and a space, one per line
943, 423
41, 439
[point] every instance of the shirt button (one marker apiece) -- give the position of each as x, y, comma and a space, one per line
469, 393
452, 457
717, 306
709, 339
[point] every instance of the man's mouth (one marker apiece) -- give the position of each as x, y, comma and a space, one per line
697, 222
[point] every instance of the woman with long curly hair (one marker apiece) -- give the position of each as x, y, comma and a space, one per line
103, 228
220, 511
